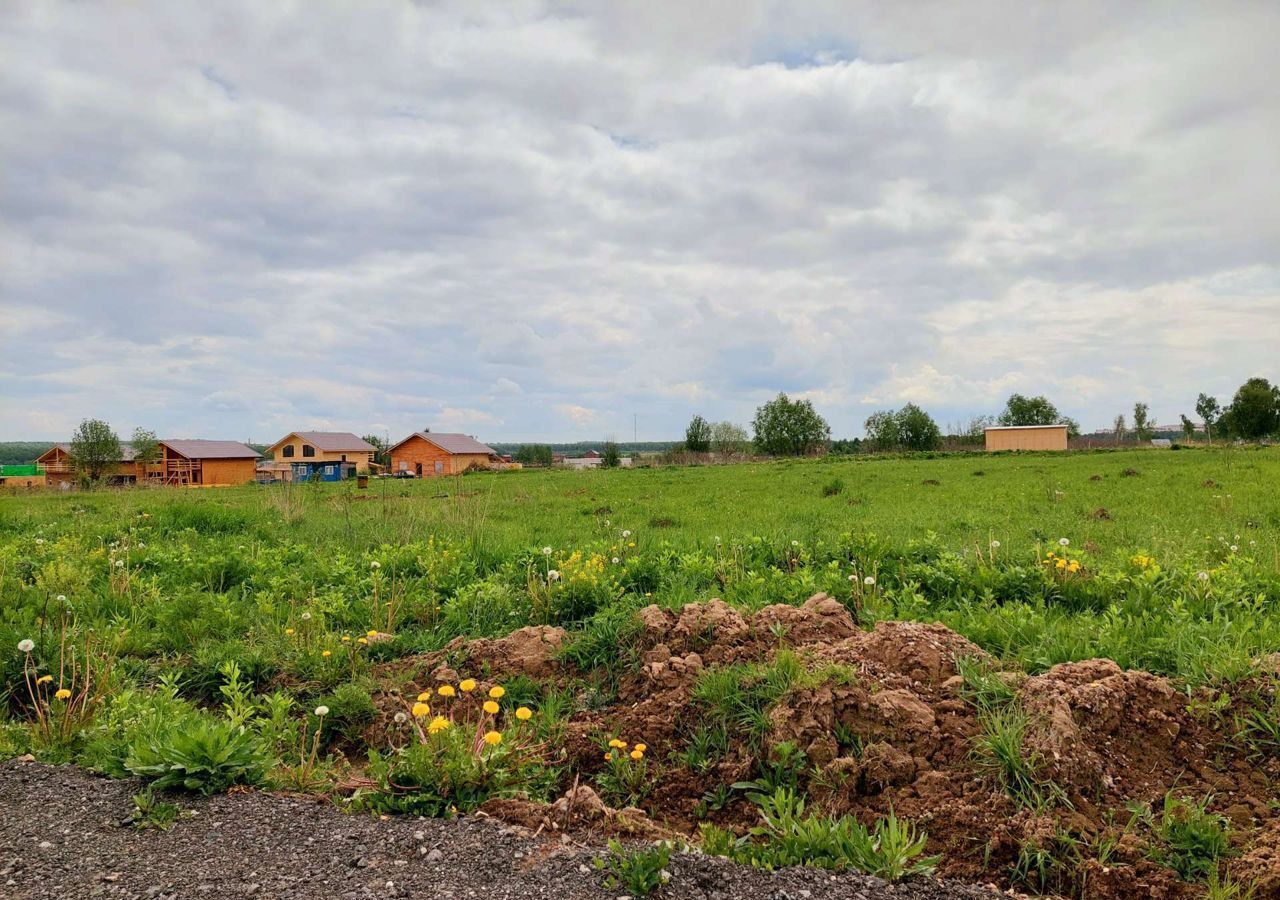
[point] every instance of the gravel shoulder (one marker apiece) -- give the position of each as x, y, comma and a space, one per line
64, 833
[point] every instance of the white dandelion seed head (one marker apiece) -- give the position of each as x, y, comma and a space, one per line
322, 710
119, 563
62, 598
853, 577
1063, 542
39, 541
401, 718
626, 533
375, 565
616, 560
1234, 548
546, 551
869, 580
306, 617
1203, 576
995, 545
553, 575
26, 645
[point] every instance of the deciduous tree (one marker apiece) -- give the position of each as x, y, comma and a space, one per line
94, 448
786, 427
697, 437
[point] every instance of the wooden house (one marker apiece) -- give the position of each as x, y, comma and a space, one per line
427, 453
181, 462
323, 455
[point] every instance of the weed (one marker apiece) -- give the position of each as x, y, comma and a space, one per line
1188, 838
983, 686
1000, 752
150, 812
833, 488
640, 872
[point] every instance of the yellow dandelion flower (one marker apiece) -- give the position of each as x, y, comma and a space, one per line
621, 745
445, 690
491, 707
288, 631
425, 695
1062, 564
497, 691
362, 640
642, 747
438, 724
524, 714
372, 632
493, 738
326, 653
420, 710
467, 685
62, 694
637, 754
44, 679
346, 639
608, 757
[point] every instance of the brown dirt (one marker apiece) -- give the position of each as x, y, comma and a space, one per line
1107, 737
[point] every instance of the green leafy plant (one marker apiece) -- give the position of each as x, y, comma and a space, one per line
640, 872
151, 812
892, 849
982, 685
1188, 838
204, 755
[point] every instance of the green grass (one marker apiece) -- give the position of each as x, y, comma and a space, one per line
175, 589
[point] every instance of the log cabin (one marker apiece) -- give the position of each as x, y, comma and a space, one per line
322, 455
181, 462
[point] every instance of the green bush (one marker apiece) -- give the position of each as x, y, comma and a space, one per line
1189, 839
204, 755
351, 708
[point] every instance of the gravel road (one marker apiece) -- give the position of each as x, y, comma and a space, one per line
64, 833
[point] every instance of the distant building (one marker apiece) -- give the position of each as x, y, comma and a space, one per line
322, 455
22, 476
591, 462
428, 453
1026, 437
181, 462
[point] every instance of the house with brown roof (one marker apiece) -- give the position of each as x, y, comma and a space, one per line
322, 455
181, 462
426, 453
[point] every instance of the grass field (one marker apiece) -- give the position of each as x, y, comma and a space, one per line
239, 612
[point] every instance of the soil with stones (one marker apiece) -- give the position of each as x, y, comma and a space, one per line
65, 833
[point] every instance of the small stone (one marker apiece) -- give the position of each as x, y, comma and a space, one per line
435, 855
45, 845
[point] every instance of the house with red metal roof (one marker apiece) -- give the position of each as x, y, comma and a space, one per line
181, 462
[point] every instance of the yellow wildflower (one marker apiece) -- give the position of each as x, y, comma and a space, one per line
1062, 564
493, 738
288, 631
346, 638
372, 632
438, 724
524, 714
44, 679
467, 685
445, 690
497, 691
420, 710
425, 695
637, 754
362, 640
326, 653
642, 747
62, 694
621, 745
491, 707
608, 757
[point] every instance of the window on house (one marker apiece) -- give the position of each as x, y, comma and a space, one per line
288, 450
328, 470
308, 450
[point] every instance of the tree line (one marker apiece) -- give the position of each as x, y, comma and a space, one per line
786, 427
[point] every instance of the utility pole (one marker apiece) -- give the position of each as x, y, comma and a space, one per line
635, 431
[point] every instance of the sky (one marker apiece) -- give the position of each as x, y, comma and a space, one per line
570, 221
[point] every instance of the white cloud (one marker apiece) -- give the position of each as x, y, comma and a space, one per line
536, 220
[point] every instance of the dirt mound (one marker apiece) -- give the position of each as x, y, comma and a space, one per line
880, 719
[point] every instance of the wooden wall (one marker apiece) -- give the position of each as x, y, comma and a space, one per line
227, 471
359, 457
1049, 437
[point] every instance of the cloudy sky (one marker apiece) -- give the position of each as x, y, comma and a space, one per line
538, 220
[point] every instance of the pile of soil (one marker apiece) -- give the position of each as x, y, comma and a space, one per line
65, 833
1106, 737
